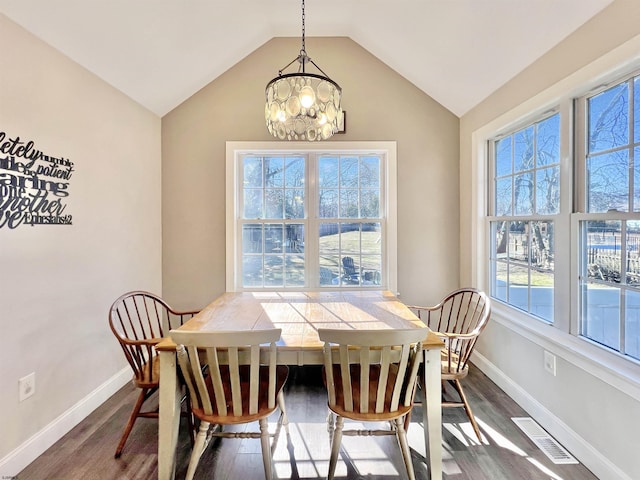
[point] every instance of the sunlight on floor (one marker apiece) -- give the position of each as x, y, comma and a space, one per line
305, 454
308, 449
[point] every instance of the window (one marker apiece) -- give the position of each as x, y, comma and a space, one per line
525, 198
310, 218
563, 223
608, 141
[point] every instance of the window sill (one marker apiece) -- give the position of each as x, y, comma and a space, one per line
609, 367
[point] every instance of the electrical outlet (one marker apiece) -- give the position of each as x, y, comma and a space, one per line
27, 386
550, 363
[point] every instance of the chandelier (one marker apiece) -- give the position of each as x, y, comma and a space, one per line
302, 105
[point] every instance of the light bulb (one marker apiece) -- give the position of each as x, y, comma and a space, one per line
307, 97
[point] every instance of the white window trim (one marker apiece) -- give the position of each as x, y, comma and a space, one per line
389, 149
607, 366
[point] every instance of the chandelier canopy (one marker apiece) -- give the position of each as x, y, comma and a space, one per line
301, 105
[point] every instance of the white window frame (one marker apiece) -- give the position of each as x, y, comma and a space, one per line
562, 338
234, 150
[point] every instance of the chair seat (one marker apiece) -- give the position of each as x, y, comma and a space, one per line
370, 414
451, 369
149, 382
282, 372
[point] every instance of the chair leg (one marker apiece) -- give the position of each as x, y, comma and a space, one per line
401, 433
285, 419
132, 419
266, 448
198, 448
336, 440
467, 408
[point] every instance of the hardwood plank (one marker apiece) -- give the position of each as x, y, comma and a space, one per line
507, 454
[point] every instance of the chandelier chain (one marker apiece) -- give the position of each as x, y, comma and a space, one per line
303, 46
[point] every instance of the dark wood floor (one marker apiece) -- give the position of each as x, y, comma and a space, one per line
505, 454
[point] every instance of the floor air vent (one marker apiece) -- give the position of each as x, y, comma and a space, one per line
545, 442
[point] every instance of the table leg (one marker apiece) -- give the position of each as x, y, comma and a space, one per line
432, 412
169, 415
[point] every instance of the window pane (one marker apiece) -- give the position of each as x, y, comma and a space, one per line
633, 253
350, 237
519, 287
328, 172
273, 172
294, 270
548, 191
371, 239
251, 271
503, 157
542, 294
252, 204
541, 255
349, 204
370, 172
524, 194
294, 204
601, 321
500, 281
329, 270
328, 204
370, 203
252, 238
294, 172
603, 251
523, 152
504, 197
329, 238
548, 141
632, 324
274, 204
273, 238
294, 241
273, 271
608, 182
608, 119
252, 172
351, 270
348, 172
371, 267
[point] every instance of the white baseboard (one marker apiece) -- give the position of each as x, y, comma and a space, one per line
14, 462
582, 450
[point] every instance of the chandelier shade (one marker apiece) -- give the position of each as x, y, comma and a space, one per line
302, 105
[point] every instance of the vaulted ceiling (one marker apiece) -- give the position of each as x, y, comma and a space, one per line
456, 51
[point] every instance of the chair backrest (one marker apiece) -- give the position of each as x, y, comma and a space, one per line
464, 314
139, 319
223, 368
384, 363
349, 266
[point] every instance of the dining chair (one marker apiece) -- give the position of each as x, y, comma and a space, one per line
139, 319
233, 378
458, 320
370, 376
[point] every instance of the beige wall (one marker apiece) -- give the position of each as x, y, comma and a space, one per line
57, 282
380, 105
597, 419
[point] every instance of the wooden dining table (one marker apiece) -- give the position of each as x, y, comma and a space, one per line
299, 315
